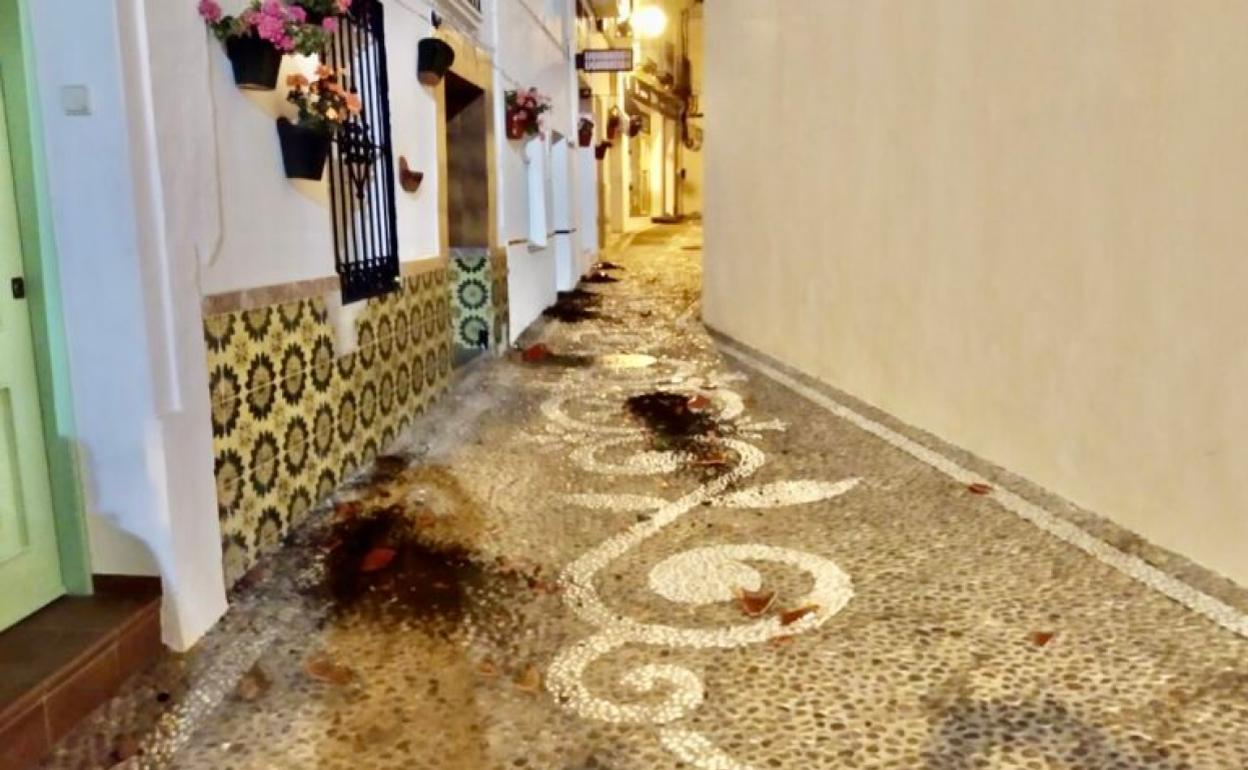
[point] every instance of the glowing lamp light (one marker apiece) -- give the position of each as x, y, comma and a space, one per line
648, 21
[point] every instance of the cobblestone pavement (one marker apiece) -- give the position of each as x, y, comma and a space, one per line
637, 548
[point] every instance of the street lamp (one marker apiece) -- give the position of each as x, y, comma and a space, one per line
648, 21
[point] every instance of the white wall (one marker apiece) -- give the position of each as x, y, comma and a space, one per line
1019, 225
120, 295
533, 49
276, 230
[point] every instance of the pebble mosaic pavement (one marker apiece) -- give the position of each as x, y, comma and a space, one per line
598, 626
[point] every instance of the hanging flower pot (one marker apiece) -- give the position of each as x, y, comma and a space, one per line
324, 106
585, 132
256, 39
255, 62
304, 150
524, 112
434, 58
635, 124
516, 122
613, 124
317, 11
600, 151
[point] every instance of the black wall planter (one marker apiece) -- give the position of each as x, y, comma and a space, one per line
600, 151
433, 58
255, 62
613, 124
635, 124
304, 150
585, 134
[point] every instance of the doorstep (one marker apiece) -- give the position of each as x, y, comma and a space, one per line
59, 664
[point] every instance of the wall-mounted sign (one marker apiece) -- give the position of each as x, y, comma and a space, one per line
605, 60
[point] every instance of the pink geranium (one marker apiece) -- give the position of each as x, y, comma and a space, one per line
330, 24
210, 11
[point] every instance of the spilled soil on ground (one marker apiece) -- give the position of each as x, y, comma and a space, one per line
575, 306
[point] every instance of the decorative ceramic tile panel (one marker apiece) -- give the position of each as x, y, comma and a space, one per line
478, 287
291, 418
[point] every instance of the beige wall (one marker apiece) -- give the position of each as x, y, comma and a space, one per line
1021, 225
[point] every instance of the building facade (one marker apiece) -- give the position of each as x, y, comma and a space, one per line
202, 377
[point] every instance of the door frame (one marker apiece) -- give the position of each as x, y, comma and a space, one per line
41, 267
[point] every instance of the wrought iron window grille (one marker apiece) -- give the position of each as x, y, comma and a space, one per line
361, 169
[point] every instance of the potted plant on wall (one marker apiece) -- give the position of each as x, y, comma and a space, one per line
585, 131
613, 124
635, 124
434, 58
524, 112
324, 105
257, 38
600, 151
319, 10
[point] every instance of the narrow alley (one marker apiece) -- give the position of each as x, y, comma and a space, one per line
632, 546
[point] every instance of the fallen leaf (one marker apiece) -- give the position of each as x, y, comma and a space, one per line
789, 617
979, 488
780, 641
377, 559
426, 520
323, 669
699, 403
253, 684
126, 747
535, 353
348, 510
755, 603
530, 680
1041, 638
487, 669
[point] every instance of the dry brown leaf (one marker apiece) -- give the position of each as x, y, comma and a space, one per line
699, 403
348, 510
780, 641
322, 669
755, 603
253, 684
789, 617
1041, 638
536, 353
377, 559
127, 747
979, 488
487, 669
530, 680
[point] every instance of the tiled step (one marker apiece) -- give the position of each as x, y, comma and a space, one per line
59, 664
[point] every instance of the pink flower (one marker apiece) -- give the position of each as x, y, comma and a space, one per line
522, 115
298, 14
330, 24
273, 8
210, 11
344, 5
250, 17
271, 29
285, 43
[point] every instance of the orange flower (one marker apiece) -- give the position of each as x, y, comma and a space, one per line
323, 71
353, 104
297, 81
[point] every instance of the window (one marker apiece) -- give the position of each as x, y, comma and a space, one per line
361, 171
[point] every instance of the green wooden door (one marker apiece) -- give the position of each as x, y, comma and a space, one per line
30, 570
